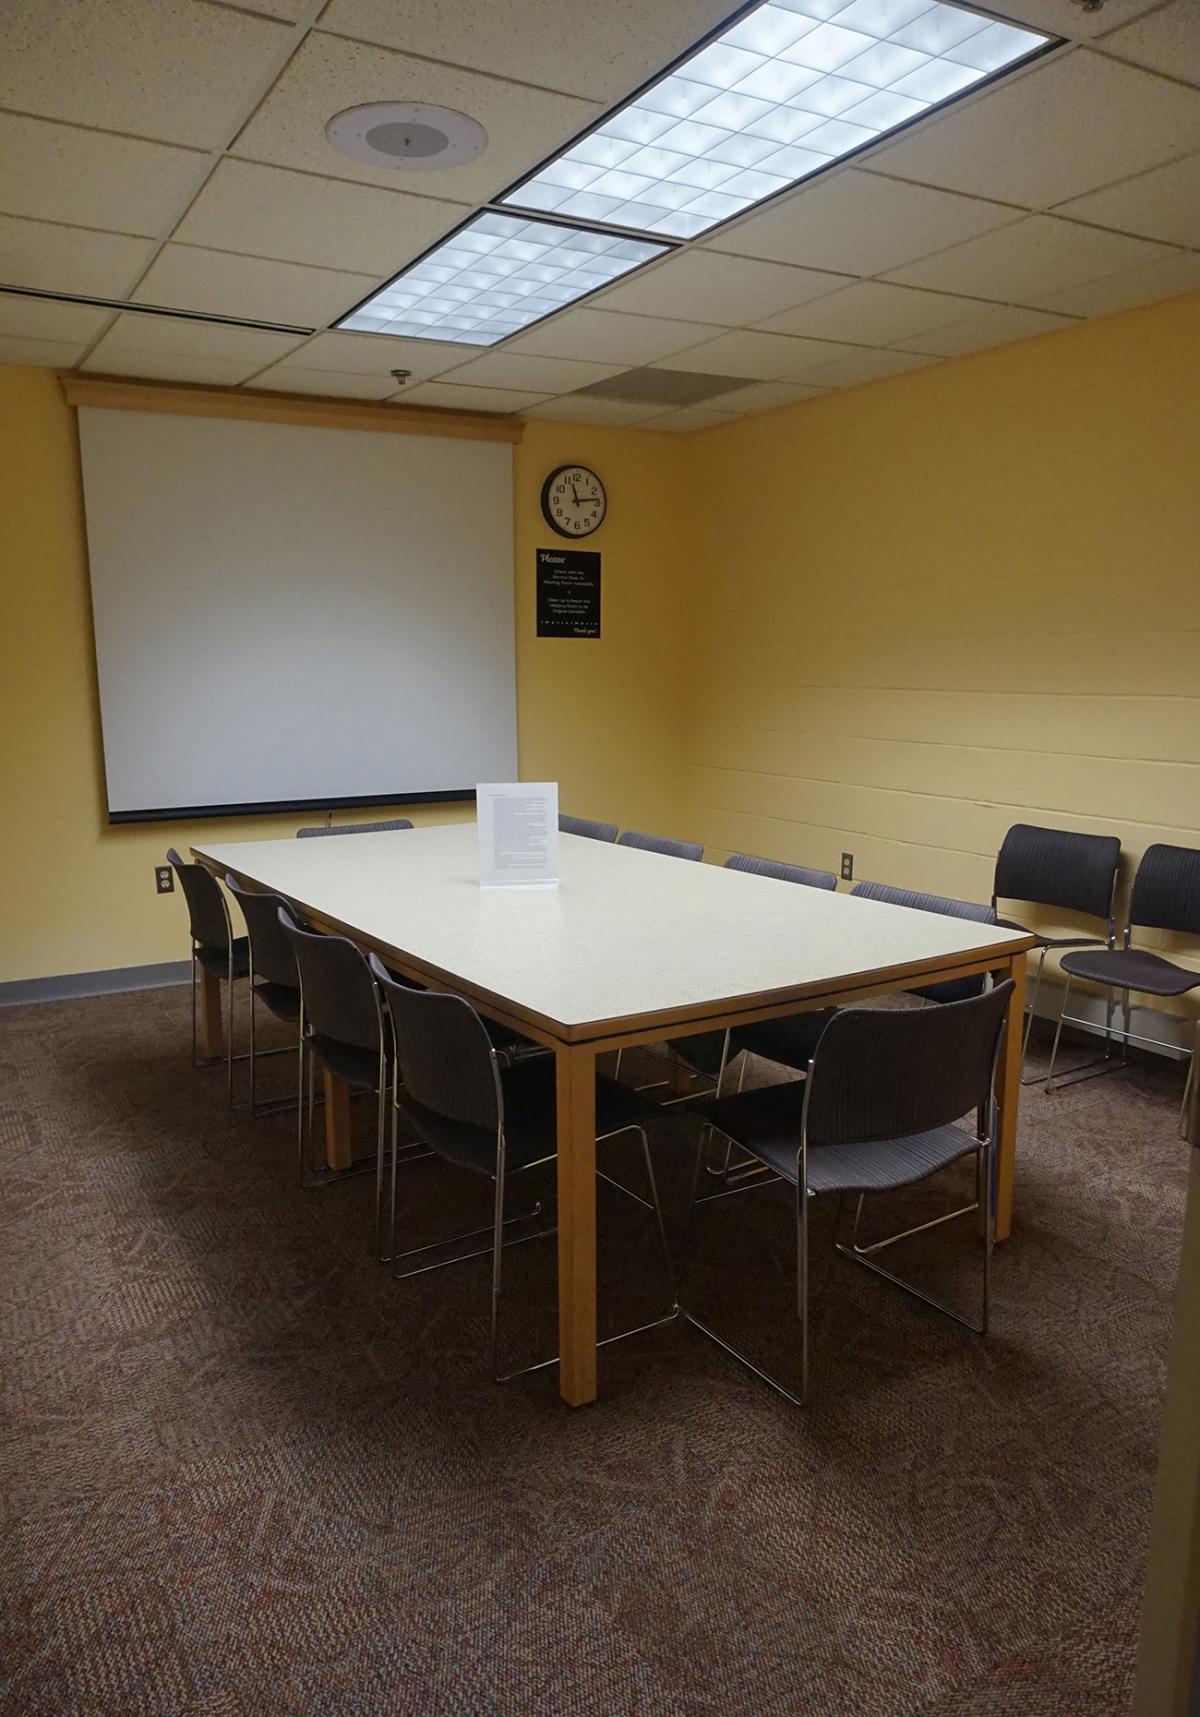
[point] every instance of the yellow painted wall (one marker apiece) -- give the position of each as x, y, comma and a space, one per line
603, 717
958, 599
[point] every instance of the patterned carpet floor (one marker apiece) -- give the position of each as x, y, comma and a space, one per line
247, 1474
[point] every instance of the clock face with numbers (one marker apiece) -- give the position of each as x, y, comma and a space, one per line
573, 501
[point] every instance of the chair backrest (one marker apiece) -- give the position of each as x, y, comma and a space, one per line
353, 828
444, 1056
584, 826
661, 844
335, 980
1166, 890
885, 1073
1054, 867
782, 872
207, 911
955, 989
271, 954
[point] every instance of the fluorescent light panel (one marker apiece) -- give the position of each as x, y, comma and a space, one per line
495, 276
788, 89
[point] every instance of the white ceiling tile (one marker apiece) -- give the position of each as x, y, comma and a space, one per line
48, 319
111, 360
584, 408
329, 74
704, 287
217, 281
993, 325
859, 364
296, 380
1162, 204
858, 223
448, 396
1177, 273
609, 336
870, 313
1030, 262
1166, 41
177, 337
170, 69
539, 375
691, 417
40, 354
1066, 127
295, 217
68, 259
378, 355
1067, 17
64, 173
768, 396
760, 357
598, 51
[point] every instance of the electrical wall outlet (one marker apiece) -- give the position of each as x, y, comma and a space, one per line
164, 879
847, 867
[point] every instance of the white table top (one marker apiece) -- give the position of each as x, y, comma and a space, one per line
626, 933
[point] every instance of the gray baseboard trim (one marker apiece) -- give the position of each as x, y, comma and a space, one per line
72, 985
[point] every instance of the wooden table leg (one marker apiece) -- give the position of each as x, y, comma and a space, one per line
339, 1152
1008, 1091
212, 1030
679, 1074
576, 1069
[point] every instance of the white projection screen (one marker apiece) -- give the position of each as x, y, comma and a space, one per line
295, 618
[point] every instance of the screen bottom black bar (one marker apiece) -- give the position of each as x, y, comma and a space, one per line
271, 807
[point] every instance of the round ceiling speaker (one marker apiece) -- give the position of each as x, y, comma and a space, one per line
410, 136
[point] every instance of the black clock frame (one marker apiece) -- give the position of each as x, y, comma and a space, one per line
571, 536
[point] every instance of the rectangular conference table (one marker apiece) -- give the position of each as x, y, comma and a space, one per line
629, 949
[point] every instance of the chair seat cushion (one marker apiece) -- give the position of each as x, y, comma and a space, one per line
346, 1060
789, 1041
530, 1119
1041, 941
283, 1000
1133, 969
703, 1051
216, 960
767, 1124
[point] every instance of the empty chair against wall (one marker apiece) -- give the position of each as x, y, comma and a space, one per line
884, 1091
585, 827
661, 844
217, 954
494, 1120
1166, 896
353, 828
1056, 867
274, 976
955, 989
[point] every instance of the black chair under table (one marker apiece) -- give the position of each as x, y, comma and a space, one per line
216, 951
1166, 896
879, 1111
353, 828
661, 844
1056, 867
272, 971
586, 827
495, 1119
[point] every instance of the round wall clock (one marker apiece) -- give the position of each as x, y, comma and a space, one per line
573, 501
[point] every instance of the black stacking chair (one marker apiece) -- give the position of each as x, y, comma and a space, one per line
1054, 867
884, 1092
215, 948
1166, 896
661, 844
955, 989
353, 828
341, 1030
584, 826
493, 1120
274, 977
788, 1041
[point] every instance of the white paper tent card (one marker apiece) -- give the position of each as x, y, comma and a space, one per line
518, 834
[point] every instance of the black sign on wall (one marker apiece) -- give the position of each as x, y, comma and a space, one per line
568, 593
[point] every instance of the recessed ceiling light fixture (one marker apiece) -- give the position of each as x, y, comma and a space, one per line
495, 275
411, 136
790, 88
